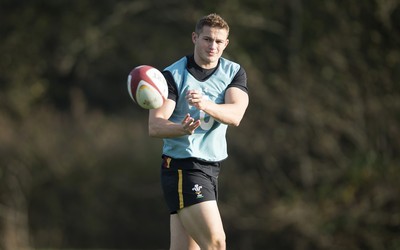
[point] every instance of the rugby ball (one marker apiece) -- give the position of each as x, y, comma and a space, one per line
147, 87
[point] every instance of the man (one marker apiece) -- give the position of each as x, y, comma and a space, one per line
207, 93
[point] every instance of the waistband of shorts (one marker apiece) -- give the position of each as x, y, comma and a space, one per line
193, 159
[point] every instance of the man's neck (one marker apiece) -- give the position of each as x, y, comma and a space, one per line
203, 65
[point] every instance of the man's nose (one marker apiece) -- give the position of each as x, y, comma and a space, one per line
213, 44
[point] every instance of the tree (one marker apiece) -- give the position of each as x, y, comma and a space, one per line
314, 164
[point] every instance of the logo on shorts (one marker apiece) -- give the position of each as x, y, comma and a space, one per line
197, 190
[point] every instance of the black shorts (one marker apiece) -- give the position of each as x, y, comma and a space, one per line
188, 181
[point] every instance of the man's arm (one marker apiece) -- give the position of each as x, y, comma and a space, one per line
231, 112
161, 127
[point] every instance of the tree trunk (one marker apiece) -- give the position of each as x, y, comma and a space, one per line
14, 225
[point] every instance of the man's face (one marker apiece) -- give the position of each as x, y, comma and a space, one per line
209, 46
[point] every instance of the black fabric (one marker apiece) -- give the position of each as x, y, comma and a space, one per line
186, 182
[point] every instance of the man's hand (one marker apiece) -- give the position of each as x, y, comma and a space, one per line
195, 98
189, 124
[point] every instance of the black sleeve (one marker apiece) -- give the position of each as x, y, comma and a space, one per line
172, 90
240, 80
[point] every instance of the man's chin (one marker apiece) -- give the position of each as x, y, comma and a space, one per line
212, 59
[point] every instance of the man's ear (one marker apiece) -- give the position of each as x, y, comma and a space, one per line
226, 43
194, 37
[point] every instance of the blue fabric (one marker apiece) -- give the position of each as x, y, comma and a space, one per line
209, 140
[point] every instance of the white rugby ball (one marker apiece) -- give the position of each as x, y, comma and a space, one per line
147, 87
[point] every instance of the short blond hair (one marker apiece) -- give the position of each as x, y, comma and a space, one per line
212, 20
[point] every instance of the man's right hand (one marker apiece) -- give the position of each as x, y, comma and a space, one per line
189, 125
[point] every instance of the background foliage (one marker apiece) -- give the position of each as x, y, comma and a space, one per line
314, 164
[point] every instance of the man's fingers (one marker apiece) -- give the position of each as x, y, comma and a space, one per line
186, 119
191, 125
